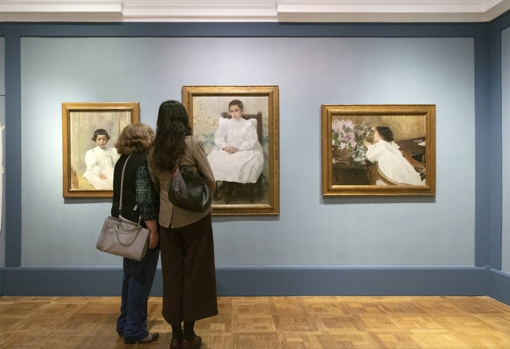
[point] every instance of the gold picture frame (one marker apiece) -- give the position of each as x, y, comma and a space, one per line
80, 121
346, 165
207, 106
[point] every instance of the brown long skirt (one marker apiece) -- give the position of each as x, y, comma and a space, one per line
189, 279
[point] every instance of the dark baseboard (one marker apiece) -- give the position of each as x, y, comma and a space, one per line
499, 285
89, 281
352, 281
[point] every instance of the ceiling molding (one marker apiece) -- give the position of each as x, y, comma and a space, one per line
496, 11
391, 11
199, 14
61, 11
253, 10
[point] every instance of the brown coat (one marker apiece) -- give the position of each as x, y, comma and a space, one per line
169, 214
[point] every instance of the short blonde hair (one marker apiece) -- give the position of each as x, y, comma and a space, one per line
134, 138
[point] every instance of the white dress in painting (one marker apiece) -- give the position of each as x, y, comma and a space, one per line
244, 166
100, 160
392, 163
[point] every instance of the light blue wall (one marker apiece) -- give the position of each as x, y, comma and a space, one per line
310, 230
505, 92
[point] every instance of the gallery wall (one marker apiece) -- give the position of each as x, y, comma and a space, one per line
311, 230
316, 245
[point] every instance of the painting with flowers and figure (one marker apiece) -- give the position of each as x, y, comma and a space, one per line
378, 149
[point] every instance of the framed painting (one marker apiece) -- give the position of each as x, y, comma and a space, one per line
378, 150
89, 131
238, 126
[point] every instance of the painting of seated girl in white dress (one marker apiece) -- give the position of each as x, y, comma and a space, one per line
238, 127
237, 155
89, 154
100, 161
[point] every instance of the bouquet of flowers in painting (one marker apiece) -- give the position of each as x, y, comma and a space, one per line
343, 134
347, 142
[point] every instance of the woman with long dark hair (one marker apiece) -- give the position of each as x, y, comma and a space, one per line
186, 237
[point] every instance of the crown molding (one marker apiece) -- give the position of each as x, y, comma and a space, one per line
253, 10
391, 11
61, 11
496, 11
199, 14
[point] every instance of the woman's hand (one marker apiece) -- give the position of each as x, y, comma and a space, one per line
154, 235
153, 239
367, 144
231, 150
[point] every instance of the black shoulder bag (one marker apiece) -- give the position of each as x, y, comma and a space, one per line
188, 190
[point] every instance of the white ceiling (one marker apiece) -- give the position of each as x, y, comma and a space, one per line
253, 10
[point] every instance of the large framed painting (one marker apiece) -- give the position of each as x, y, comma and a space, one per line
238, 126
378, 150
89, 131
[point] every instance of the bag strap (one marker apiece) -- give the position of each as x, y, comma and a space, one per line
122, 185
175, 171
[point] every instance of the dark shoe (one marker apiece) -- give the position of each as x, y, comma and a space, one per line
151, 337
176, 344
192, 344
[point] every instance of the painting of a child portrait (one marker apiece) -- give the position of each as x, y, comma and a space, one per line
100, 162
378, 150
238, 128
89, 133
237, 156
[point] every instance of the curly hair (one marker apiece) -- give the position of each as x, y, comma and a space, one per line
172, 127
102, 132
385, 132
134, 138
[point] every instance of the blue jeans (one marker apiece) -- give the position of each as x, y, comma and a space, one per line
136, 287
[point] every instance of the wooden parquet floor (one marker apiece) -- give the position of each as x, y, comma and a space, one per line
268, 322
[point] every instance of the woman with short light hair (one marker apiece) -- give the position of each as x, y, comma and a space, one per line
139, 203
